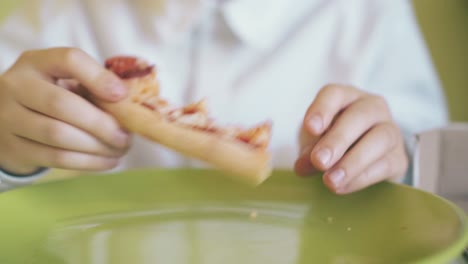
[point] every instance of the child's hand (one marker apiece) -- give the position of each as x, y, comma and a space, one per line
351, 136
45, 125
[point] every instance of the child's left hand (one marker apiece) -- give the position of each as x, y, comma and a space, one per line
351, 136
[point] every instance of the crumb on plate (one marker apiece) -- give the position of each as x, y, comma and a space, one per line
253, 215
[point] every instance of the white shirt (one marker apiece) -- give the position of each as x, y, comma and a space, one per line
252, 59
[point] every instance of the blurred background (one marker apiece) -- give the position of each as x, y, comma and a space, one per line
445, 27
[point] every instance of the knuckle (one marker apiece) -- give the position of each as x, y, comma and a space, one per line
354, 165
390, 133
337, 89
365, 113
359, 161
380, 102
101, 125
337, 144
340, 138
60, 158
72, 56
106, 77
99, 122
55, 133
10, 81
333, 89
27, 56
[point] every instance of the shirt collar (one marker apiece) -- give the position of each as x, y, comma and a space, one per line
264, 23
257, 23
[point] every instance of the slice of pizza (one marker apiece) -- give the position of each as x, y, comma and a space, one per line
189, 130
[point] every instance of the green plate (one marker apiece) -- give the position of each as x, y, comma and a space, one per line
199, 216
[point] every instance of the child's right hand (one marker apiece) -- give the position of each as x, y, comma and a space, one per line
45, 125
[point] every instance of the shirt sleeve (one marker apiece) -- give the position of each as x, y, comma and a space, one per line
10, 181
400, 69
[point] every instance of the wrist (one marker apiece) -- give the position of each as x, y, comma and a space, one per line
9, 180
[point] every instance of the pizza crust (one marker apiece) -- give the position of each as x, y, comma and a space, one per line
243, 162
240, 158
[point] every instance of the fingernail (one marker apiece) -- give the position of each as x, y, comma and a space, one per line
336, 177
324, 156
315, 123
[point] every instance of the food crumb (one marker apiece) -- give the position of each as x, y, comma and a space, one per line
253, 215
330, 219
348, 229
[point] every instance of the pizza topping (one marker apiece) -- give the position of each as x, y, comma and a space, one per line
157, 104
195, 120
258, 136
194, 108
196, 116
127, 67
210, 129
149, 106
199, 107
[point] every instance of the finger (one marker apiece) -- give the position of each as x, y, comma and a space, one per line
58, 134
303, 166
375, 144
76, 64
328, 103
391, 166
46, 156
354, 122
63, 105
306, 141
